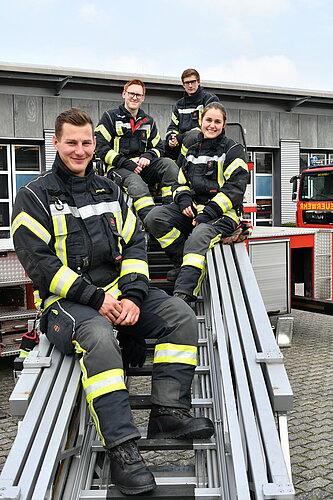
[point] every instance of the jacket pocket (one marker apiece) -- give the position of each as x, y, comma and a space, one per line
59, 328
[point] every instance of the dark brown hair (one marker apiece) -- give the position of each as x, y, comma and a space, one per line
74, 116
190, 72
215, 105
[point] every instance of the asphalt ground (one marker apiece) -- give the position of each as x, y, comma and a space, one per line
309, 363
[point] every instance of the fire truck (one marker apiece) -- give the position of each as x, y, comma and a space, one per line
313, 192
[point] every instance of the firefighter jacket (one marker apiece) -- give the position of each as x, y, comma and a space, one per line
121, 137
77, 239
186, 114
213, 175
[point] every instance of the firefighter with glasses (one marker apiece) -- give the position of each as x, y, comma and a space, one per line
184, 127
131, 148
84, 250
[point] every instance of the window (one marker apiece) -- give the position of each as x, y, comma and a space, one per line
263, 188
18, 165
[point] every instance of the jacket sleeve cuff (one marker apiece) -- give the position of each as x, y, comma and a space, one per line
135, 296
97, 299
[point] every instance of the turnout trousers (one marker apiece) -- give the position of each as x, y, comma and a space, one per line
161, 171
74, 327
186, 245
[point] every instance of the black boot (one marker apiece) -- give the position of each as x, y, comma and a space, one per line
178, 423
128, 470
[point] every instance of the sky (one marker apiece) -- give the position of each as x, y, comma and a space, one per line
284, 43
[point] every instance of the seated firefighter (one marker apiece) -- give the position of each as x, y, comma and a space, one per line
184, 127
128, 142
207, 203
84, 250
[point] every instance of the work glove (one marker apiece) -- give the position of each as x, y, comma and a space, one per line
184, 201
28, 342
241, 233
133, 349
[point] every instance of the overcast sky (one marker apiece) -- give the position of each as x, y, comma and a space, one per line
284, 43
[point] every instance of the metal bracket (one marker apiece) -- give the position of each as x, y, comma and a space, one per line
9, 492
278, 490
270, 357
37, 362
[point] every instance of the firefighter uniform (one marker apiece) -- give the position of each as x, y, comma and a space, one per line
122, 138
186, 120
78, 240
213, 179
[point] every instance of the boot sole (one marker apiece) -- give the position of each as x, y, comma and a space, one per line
137, 490
192, 434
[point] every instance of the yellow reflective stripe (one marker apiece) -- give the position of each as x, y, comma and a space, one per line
116, 144
195, 260
181, 178
200, 208
104, 131
175, 353
60, 232
220, 178
62, 281
215, 240
175, 120
119, 129
50, 300
129, 266
183, 150
156, 140
129, 226
37, 299
222, 201
169, 238
157, 152
103, 383
233, 166
232, 214
200, 280
24, 219
180, 189
145, 201
95, 418
110, 156
166, 191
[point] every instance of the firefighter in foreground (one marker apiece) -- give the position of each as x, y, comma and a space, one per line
130, 146
85, 252
207, 203
184, 127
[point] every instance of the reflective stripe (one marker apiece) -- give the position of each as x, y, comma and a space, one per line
181, 189
145, 201
87, 211
183, 150
62, 281
129, 226
37, 300
175, 353
222, 201
156, 140
60, 233
169, 238
205, 159
220, 177
116, 144
195, 260
103, 383
187, 111
24, 219
129, 266
50, 300
119, 127
233, 166
110, 156
175, 120
182, 178
157, 152
104, 131
166, 191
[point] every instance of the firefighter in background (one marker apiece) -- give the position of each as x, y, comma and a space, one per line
207, 203
184, 127
130, 146
83, 248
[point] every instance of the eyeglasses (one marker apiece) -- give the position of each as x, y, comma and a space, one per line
132, 95
190, 82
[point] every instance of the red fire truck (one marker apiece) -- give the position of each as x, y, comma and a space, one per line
313, 191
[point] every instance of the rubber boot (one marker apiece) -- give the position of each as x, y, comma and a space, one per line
165, 422
128, 470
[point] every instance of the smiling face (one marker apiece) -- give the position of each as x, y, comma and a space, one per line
213, 123
134, 97
75, 146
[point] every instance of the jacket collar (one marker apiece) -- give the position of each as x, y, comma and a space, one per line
60, 169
